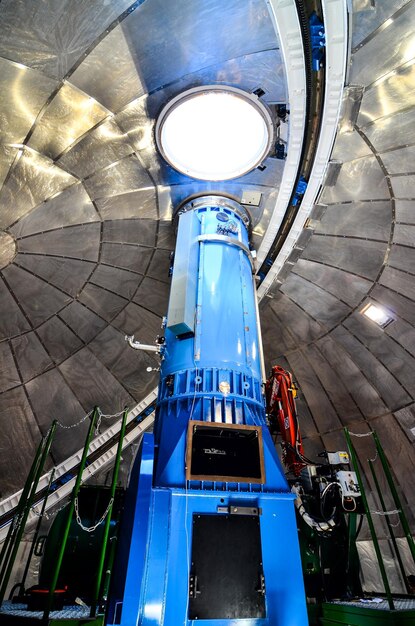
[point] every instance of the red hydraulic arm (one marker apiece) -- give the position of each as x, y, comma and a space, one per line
280, 394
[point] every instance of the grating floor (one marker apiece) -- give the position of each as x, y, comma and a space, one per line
401, 604
20, 610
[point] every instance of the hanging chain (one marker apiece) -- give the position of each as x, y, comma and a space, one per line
369, 434
48, 516
90, 529
81, 421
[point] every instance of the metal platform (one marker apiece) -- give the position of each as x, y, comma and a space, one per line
16, 614
364, 613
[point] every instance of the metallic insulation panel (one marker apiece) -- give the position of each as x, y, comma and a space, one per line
138, 60
360, 179
52, 37
71, 206
72, 112
23, 93
396, 37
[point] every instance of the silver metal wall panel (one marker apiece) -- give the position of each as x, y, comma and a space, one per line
128, 366
153, 295
141, 203
119, 281
99, 148
401, 305
333, 386
105, 303
405, 211
371, 220
402, 258
406, 418
319, 304
389, 96
399, 161
392, 132
9, 376
82, 321
12, 320
361, 179
136, 320
296, 320
72, 206
363, 393
398, 281
7, 156
403, 333
126, 175
145, 52
134, 258
31, 357
396, 40
38, 299
23, 92
369, 15
397, 446
388, 352
388, 388
318, 402
67, 117
357, 256
276, 337
69, 275
19, 435
350, 146
166, 237
136, 231
31, 181
348, 288
52, 36
80, 242
404, 234
403, 186
52, 398
94, 384
59, 341
160, 265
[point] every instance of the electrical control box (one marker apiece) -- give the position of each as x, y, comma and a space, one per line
338, 458
348, 483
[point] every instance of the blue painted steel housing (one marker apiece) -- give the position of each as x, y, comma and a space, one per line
210, 373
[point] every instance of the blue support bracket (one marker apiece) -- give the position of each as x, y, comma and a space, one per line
299, 191
318, 41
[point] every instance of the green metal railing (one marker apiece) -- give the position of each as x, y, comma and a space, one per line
29, 493
389, 525
379, 557
395, 496
69, 516
96, 596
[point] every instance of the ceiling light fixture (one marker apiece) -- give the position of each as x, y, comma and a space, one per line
377, 314
214, 132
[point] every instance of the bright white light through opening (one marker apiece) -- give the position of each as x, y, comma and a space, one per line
377, 314
214, 133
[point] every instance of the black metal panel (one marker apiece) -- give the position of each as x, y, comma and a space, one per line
226, 578
228, 452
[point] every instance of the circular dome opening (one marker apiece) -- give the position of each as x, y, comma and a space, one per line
214, 133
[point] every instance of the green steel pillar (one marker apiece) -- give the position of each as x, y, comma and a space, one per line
71, 507
26, 510
391, 534
95, 597
355, 466
395, 496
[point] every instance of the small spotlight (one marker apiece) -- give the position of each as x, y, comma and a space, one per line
377, 314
